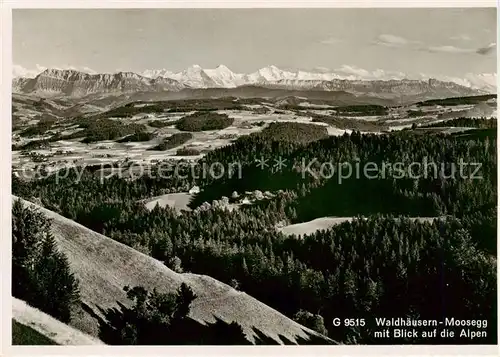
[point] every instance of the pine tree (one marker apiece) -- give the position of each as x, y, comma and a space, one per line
244, 267
40, 274
57, 287
185, 296
314, 322
175, 264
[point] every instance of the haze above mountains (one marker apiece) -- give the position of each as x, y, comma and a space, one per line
71, 82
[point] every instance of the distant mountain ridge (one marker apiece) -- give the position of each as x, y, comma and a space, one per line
79, 84
54, 82
222, 76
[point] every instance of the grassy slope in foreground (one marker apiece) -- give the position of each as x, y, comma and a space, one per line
31, 326
103, 266
25, 335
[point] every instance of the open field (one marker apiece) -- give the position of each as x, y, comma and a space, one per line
324, 223
178, 201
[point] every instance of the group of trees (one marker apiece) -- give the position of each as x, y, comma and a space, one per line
416, 113
381, 264
458, 100
106, 129
159, 123
32, 145
207, 105
41, 275
173, 141
293, 132
201, 121
348, 123
153, 318
314, 322
131, 109
40, 128
162, 319
347, 110
365, 110
94, 130
185, 151
137, 137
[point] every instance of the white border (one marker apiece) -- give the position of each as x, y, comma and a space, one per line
5, 177
244, 3
5, 187
260, 351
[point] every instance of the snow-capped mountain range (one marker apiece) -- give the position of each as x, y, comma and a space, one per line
74, 82
221, 76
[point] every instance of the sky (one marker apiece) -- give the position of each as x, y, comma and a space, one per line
445, 42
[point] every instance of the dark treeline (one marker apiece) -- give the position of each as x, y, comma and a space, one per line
458, 100
348, 123
293, 132
181, 105
185, 151
106, 129
480, 123
416, 113
103, 129
380, 266
159, 123
94, 130
361, 110
200, 121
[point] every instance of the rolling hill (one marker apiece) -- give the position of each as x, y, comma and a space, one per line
104, 266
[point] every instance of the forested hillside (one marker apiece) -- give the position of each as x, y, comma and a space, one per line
375, 265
